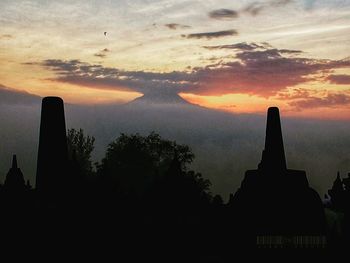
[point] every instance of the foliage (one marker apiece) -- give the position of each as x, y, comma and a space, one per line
80, 147
137, 165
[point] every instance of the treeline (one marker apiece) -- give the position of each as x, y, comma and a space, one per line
144, 188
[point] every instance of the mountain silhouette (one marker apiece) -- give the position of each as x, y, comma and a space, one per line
154, 98
10, 96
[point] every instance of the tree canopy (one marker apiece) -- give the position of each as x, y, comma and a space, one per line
80, 147
139, 166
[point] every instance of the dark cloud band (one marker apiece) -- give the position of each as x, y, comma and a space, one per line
210, 35
223, 14
175, 26
331, 100
254, 69
339, 79
102, 53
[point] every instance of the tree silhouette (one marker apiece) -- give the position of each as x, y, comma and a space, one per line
138, 166
80, 147
81, 174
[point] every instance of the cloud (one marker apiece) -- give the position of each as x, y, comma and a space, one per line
223, 14
90, 75
262, 72
303, 98
330, 101
6, 36
290, 51
238, 46
244, 46
175, 26
278, 3
252, 8
210, 35
296, 93
339, 79
255, 69
256, 8
102, 53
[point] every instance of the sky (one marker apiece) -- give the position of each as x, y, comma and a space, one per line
236, 56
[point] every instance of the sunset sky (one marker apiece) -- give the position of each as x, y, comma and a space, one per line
239, 56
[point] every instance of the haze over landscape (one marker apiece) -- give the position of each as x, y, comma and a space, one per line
200, 72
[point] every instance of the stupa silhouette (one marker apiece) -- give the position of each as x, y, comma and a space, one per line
14, 179
53, 153
275, 200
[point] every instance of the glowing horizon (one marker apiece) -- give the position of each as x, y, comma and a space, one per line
237, 57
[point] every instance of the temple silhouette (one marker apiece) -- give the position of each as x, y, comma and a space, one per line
275, 200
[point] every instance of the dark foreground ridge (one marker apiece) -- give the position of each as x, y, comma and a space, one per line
143, 191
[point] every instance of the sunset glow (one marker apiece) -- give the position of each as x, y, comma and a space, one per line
293, 54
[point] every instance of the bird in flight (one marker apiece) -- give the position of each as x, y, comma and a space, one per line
105, 33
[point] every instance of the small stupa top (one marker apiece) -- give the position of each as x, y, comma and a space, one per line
14, 162
14, 178
273, 157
